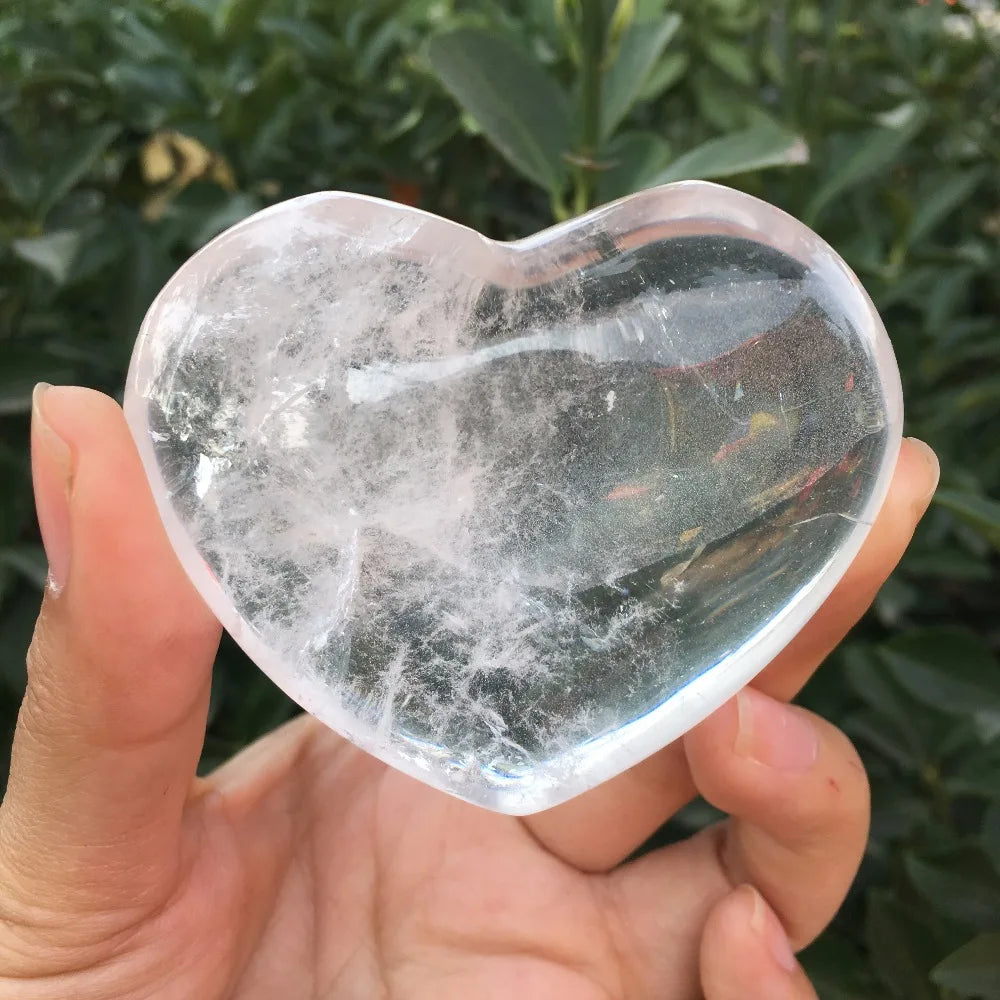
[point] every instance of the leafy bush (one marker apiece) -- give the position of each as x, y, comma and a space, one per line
131, 133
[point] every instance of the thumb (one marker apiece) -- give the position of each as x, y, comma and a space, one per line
119, 669
745, 954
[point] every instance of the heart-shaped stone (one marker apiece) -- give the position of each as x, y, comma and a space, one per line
512, 516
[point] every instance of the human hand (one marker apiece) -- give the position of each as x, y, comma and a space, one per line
305, 868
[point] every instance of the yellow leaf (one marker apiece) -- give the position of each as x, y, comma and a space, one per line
222, 174
195, 159
175, 160
155, 160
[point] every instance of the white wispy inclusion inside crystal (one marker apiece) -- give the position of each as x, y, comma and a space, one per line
496, 503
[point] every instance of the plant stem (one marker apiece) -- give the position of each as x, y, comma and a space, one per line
592, 29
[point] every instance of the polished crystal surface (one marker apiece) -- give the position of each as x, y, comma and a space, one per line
512, 516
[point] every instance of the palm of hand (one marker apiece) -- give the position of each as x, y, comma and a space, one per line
307, 854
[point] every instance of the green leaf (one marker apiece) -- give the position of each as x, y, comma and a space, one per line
133, 34
235, 209
897, 814
54, 253
874, 151
17, 175
522, 111
27, 560
973, 970
976, 771
665, 74
946, 564
372, 57
641, 47
899, 945
236, 19
26, 363
17, 623
731, 58
898, 727
73, 165
634, 159
949, 669
308, 36
754, 148
16, 506
978, 512
867, 677
940, 203
866, 728
966, 888
837, 969
147, 269
163, 88
716, 102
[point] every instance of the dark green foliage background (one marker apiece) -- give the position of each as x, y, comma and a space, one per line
898, 102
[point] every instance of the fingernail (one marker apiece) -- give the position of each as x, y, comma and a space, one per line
766, 925
52, 476
774, 734
933, 469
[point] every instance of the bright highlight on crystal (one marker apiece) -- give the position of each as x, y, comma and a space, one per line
512, 516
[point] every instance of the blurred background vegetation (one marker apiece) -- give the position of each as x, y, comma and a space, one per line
132, 132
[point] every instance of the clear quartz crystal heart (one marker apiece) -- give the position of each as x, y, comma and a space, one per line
512, 516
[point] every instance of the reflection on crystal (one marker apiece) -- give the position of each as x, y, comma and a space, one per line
488, 507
